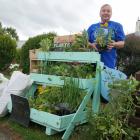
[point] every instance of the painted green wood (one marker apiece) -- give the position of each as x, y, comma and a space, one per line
55, 122
72, 124
67, 119
96, 102
49, 131
96, 95
88, 57
59, 80
45, 118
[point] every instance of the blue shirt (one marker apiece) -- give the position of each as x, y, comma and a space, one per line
108, 57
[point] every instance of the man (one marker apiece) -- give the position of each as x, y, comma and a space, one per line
109, 55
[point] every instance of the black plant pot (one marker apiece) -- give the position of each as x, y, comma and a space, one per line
63, 109
100, 48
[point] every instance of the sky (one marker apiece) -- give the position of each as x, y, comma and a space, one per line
34, 17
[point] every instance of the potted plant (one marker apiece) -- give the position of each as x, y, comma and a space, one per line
103, 37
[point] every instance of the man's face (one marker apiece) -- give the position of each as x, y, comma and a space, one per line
105, 13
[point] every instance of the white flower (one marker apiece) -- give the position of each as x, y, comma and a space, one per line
13, 66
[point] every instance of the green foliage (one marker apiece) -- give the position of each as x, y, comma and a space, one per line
113, 120
82, 40
32, 43
80, 43
129, 56
1, 29
9, 31
69, 94
7, 51
132, 44
102, 39
18, 55
46, 44
72, 94
67, 69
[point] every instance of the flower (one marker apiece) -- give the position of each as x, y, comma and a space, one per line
14, 67
104, 24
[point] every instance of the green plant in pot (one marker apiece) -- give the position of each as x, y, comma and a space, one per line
45, 44
103, 38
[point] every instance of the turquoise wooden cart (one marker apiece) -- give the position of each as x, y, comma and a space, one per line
67, 123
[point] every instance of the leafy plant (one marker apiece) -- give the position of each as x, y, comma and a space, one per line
80, 70
72, 94
46, 44
50, 97
113, 120
80, 43
102, 39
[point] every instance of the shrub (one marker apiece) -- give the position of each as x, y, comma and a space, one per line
129, 56
32, 43
7, 51
18, 55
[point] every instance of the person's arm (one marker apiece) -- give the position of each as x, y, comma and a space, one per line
91, 37
120, 37
117, 45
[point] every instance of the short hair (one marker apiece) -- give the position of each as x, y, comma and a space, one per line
106, 5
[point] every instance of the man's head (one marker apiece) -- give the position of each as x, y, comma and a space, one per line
105, 13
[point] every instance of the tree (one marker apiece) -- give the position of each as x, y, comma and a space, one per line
129, 56
1, 29
9, 31
12, 32
132, 44
33, 43
7, 51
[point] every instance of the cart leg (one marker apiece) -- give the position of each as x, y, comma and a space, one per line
50, 131
75, 119
96, 96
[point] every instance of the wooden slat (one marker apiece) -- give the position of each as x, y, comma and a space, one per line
89, 57
59, 80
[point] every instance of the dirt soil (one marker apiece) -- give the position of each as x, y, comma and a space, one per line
6, 133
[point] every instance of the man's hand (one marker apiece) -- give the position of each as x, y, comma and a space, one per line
111, 45
93, 45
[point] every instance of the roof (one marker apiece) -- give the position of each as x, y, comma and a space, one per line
64, 39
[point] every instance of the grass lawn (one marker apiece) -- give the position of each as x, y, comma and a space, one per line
33, 132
